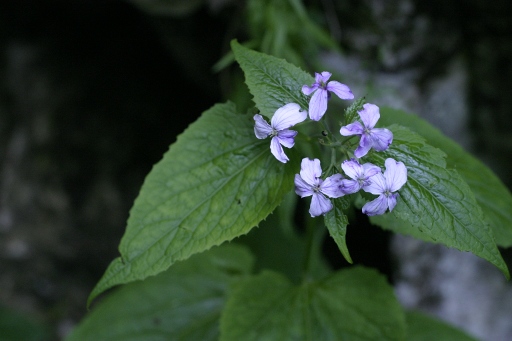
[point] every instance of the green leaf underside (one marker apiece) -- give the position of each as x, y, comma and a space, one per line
421, 327
272, 81
183, 303
352, 304
491, 194
336, 222
215, 183
436, 201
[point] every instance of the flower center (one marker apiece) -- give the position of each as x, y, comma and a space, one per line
273, 133
363, 182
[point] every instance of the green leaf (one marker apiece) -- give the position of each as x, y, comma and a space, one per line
337, 222
436, 201
215, 183
491, 194
421, 327
272, 81
183, 303
352, 304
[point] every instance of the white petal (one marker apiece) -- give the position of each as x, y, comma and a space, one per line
308, 90
350, 186
355, 128
376, 207
382, 138
301, 187
392, 201
310, 170
287, 116
370, 169
318, 105
286, 137
395, 174
369, 115
341, 90
332, 186
319, 205
352, 169
261, 129
377, 185
365, 144
277, 150
322, 77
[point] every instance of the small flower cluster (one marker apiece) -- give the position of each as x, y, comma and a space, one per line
367, 177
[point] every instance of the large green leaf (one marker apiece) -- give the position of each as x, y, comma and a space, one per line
491, 194
421, 327
272, 81
436, 202
352, 304
337, 222
183, 303
215, 183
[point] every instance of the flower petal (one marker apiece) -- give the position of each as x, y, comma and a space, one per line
302, 188
261, 129
286, 137
332, 186
310, 170
277, 150
352, 169
377, 185
341, 90
395, 174
322, 77
319, 205
376, 207
350, 186
369, 115
355, 128
364, 146
370, 170
308, 90
392, 201
382, 138
318, 105
287, 116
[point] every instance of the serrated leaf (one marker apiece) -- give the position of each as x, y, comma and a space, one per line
183, 303
272, 81
436, 201
421, 327
337, 222
352, 304
491, 194
215, 183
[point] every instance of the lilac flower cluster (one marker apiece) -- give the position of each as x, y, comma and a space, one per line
367, 177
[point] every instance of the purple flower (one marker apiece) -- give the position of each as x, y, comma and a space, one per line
359, 174
318, 102
309, 183
285, 117
378, 138
384, 186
